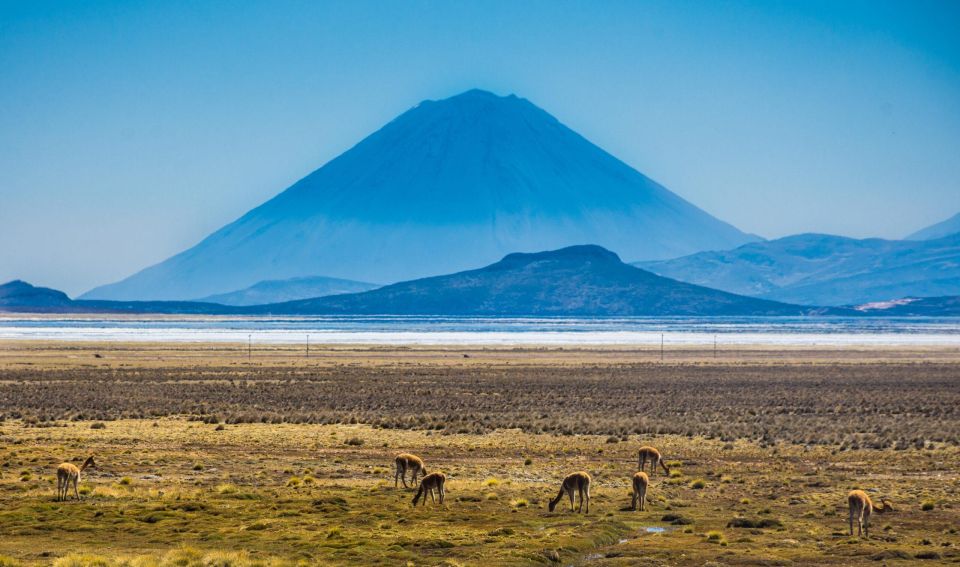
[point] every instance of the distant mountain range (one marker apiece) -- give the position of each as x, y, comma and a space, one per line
579, 280
819, 269
446, 186
278, 291
939, 230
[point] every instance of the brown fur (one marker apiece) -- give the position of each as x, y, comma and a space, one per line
576, 483
68, 473
430, 483
640, 483
650, 454
408, 462
860, 509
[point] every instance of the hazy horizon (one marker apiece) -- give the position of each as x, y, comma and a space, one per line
130, 131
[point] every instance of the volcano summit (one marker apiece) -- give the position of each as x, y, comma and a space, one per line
446, 186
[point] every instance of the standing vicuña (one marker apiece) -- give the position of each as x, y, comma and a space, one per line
69, 473
405, 462
578, 482
431, 482
651, 454
640, 483
861, 507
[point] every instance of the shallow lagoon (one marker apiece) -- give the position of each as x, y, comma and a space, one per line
419, 330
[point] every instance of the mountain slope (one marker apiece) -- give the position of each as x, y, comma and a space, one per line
579, 280
447, 185
818, 269
278, 291
939, 230
948, 306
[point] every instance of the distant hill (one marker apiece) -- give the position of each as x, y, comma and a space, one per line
278, 291
948, 306
18, 293
578, 280
820, 269
939, 230
446, 186
21, 297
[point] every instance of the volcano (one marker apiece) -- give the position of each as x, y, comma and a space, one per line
445, 186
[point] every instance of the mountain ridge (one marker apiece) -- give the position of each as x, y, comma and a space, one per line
937, 230
278, 291
825, 269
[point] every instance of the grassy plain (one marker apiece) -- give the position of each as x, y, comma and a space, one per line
208, 457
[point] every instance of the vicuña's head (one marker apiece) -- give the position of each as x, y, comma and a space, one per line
89, 463
553, 503
886, 505
423, 470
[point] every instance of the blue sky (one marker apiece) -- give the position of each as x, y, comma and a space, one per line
130, 130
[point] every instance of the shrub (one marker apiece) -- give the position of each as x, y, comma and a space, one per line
676, 519
713, 536
755, 524
698, 484
927, 505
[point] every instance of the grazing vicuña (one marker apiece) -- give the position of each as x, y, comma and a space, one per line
578, 482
